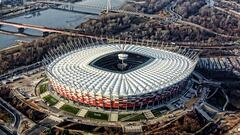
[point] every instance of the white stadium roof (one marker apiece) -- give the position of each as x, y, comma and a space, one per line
73, 71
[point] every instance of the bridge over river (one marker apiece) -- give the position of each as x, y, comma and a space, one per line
46, 31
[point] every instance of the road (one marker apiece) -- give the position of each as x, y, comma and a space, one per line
170, 9
5, 131
152, 16
229, 11
16, 115
12, 111
206, 29
175, 17
178, 18
227, 99
41, 28
17, 34
233, 3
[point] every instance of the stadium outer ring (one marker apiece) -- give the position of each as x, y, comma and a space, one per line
137, 101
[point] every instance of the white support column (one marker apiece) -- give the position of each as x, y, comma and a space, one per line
119, 40
142, 42
109, 5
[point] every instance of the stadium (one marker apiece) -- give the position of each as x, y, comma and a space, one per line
119, 75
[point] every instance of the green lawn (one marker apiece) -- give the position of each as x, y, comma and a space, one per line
70, 109
238, 41
43, 88
97, 115
160, 111
120, 116
131, 117
51, 100
137, 117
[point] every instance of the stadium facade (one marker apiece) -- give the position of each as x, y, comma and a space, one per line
93, 73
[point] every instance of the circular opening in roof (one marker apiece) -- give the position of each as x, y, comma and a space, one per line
119, 62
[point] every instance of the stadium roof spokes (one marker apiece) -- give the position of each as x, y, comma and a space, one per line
70, 65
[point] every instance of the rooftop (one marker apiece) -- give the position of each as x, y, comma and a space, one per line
157, 70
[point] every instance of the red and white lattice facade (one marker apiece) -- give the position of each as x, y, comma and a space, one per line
72, 77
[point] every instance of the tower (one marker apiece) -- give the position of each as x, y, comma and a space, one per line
1, 5
109, 5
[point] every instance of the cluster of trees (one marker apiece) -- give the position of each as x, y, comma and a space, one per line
193, 10
235, 97
132, 26
109, 24
233, 92
5, 117
187, 124
169, 32
217, 21
28, 53
23, 108
189, 7
199, 13
152, 6
98, 129
231, 85
5, 91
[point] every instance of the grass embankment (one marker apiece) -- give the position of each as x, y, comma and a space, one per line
131, 117
43, 88
50, 100
137, 117
97, 115
160, 111
70, 109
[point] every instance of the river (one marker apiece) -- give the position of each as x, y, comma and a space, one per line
52, 18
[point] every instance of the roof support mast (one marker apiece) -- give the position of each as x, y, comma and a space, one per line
109, 5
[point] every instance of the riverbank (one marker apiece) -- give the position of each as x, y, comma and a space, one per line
40, 14
46, 18
24, 11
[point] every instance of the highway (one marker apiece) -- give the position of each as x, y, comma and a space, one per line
175, 17
76, 33
17, 118
12, 111
217, 5
206, 29
40, 28
231, 2
17, 34
170, 9
6, 131
178, 18
70, 32
229, 11
152, 16
227, 100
